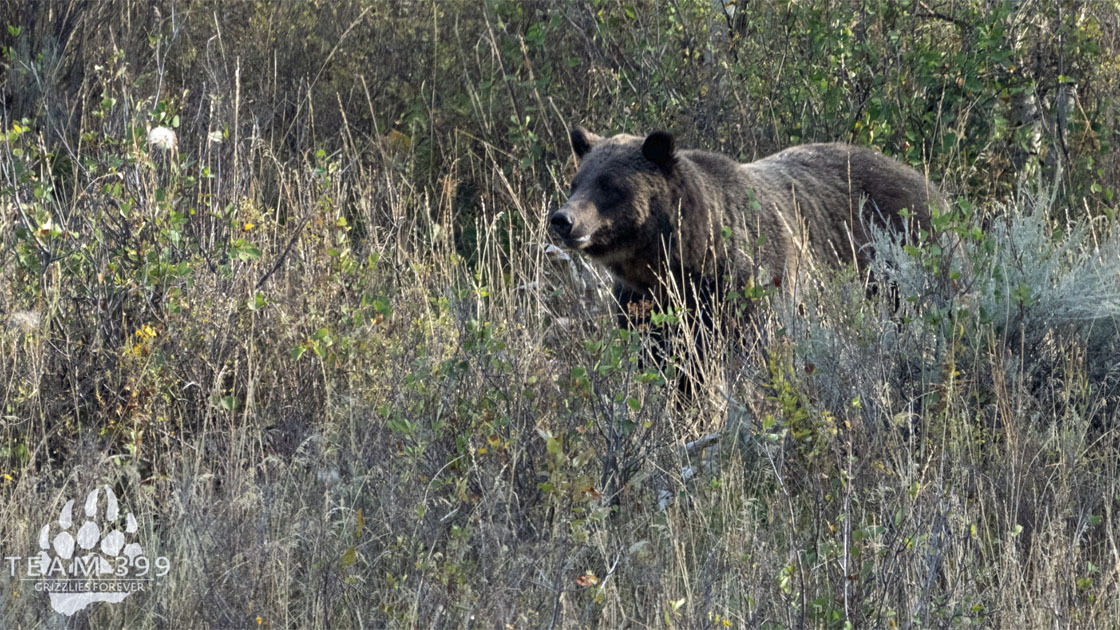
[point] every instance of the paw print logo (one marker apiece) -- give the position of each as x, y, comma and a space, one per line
80, 562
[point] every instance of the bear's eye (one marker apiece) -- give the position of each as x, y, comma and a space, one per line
612, 192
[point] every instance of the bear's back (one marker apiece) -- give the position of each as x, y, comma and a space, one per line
827, 197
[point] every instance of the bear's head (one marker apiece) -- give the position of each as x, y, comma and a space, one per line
620, 198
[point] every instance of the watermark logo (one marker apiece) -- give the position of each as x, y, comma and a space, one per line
98, 560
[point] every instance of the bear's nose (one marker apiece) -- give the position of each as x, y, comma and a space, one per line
561, 224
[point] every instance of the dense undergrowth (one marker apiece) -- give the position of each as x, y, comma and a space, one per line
319, 347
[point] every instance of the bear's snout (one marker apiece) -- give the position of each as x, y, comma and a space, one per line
561, 224
566, 225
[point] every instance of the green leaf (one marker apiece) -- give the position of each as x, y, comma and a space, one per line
349, 557
382, 306
245, 251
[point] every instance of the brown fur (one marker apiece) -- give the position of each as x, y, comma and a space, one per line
653, 214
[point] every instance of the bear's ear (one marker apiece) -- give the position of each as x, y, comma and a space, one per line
658, 148
582, 141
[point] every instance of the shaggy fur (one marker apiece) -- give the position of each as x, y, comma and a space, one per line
700, 221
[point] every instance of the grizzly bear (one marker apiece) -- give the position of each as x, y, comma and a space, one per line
694, 225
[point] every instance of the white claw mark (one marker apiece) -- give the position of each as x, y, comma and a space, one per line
111, 504
64, 519
91, 503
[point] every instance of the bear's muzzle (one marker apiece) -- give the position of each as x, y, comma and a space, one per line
566, 225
